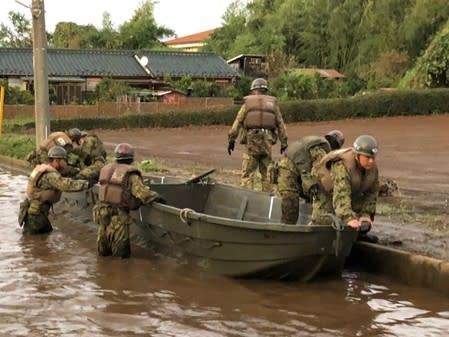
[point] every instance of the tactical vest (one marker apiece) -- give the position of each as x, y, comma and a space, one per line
55, 139
299, 152
359, 183
260, 112
114, 186
34, 192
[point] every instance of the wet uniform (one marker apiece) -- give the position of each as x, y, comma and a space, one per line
121, 190
44, 189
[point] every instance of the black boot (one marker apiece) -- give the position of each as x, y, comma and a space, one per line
368, 238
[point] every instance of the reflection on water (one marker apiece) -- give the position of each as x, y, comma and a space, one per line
55, 285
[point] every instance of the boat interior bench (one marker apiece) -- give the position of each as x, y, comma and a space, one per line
224, 201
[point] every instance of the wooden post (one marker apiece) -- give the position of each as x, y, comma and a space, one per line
40, 66
2, 100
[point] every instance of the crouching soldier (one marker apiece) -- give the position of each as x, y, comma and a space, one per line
92, 156
349, 186
45, 187
66, 139
294, 177
121, 190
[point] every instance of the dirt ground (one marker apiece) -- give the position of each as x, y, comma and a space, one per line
413, 151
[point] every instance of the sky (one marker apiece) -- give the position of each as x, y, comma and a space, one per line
185, 17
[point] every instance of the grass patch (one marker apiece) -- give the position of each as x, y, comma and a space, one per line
17, 146
150, 165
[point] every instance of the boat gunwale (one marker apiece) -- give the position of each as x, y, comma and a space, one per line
255, 225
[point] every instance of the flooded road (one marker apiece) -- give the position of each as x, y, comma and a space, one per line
55, 285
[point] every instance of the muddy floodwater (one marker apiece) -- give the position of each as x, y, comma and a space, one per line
55, 285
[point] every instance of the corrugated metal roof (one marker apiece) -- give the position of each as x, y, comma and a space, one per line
195, 65
73, 62
116, 63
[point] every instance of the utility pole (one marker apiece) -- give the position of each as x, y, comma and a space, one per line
40, 66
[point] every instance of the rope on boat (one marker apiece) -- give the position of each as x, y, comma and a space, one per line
184, 215
338, 226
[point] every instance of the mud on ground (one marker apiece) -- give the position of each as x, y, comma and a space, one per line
413, 152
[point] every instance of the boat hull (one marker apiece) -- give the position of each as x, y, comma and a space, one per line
230, 231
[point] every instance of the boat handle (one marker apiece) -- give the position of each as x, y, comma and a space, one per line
184, 215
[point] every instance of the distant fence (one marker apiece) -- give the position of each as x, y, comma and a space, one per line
112, 109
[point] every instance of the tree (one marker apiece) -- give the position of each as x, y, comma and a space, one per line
229, 40
72, 35
19, 35
142, 32
110, 90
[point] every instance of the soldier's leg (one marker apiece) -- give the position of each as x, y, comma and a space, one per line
288, 190
249, 166
121, 246
104, 217
322, 205
37, 220
37, 224
264, 162
103, 244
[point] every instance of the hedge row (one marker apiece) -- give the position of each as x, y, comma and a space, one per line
395, 103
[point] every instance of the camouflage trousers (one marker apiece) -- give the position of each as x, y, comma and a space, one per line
288, 188
113, 236
36, 221
250, 165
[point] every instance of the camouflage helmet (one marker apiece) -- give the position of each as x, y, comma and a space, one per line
124, 151
259, 83
74, 134
57, 152
335, 138
365, 145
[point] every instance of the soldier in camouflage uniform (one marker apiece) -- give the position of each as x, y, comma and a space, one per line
44, 189
92, 155
258, 124
68, 140
293, 171
121, 190
348, 185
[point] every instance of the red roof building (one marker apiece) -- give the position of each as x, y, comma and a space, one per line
191, 42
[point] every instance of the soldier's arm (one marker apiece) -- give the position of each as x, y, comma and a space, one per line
54, 180
307, 179
237, 125
281, 129
341, 195
370, 200
141, 191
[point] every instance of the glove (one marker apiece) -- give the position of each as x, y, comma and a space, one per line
283, 148
313, 191
231, 145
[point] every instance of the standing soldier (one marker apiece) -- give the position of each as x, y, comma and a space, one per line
45, 187
92, 155
294, 177
121, 190
260, 123
348, 186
